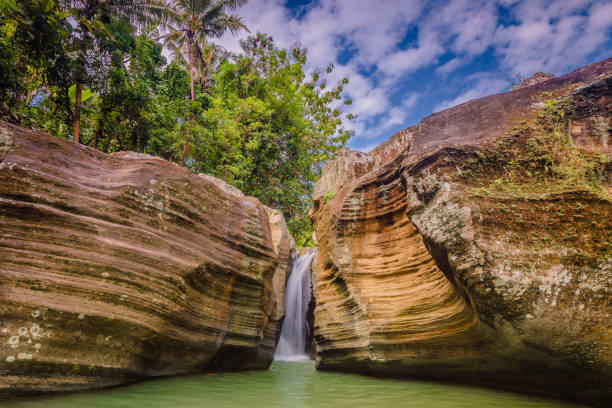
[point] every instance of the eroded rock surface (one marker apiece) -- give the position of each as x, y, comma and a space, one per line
535, 79
477, 248
117, 268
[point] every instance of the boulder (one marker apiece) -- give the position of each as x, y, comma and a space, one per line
477, 247
119, 268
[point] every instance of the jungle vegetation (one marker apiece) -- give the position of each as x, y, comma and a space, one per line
147, 76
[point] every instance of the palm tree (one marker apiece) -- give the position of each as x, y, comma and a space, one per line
190, 23
212, 56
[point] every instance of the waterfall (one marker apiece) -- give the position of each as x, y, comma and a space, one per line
292, 344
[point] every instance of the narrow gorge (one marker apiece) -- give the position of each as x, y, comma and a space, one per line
474, 248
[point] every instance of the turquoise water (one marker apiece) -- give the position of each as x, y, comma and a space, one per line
287, 385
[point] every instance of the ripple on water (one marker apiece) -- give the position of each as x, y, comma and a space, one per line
288, 385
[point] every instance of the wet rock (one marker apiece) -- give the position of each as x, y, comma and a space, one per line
118, 268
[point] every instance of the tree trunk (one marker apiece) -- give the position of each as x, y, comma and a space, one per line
95, 142
191, 63
191, 74
134, 141
206, 63
79, 84
186, 147
77, 112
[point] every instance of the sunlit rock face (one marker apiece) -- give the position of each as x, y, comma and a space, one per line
535, 79
117, 268
428, 268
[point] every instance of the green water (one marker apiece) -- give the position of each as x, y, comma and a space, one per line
287, 385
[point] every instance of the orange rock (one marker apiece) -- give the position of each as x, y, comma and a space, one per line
114, 269
421, 274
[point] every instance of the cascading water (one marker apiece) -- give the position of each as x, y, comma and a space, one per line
292, 343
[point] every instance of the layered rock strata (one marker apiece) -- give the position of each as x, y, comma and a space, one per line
118, 268
476, 247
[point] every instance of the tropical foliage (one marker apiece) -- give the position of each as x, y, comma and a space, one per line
97, 73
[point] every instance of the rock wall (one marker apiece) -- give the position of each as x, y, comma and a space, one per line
118, 268
461, 255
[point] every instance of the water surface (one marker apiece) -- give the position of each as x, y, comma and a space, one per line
291, 385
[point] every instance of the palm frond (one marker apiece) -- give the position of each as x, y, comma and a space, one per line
180, 21
166, 13
213, 12
232, 5
235, 23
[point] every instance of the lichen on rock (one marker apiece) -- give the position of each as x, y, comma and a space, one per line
6, 144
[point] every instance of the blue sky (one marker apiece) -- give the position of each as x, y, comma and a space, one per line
407, 59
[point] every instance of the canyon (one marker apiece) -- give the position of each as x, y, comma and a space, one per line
473, 248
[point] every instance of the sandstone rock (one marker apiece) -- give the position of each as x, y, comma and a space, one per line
535, 79
347, 166
284, 247
437, 264
114, 269
128, 154
6, 144
229, 189
311, 305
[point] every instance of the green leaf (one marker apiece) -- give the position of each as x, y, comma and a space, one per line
85, 94
47, 5
9, 4
98, 25
8, 28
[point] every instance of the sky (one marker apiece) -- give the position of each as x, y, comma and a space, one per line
406, 59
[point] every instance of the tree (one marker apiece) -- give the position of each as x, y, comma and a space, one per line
170, 114
269, 127
258, 120
89, 16
32, 53
189, 24
129, 89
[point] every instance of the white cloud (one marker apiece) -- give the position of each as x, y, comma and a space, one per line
450, 66
466, 26
373, 28
483, 85
537, 35
398, 115
554, 36
406, 61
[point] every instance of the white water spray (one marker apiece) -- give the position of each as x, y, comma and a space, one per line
292, 344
